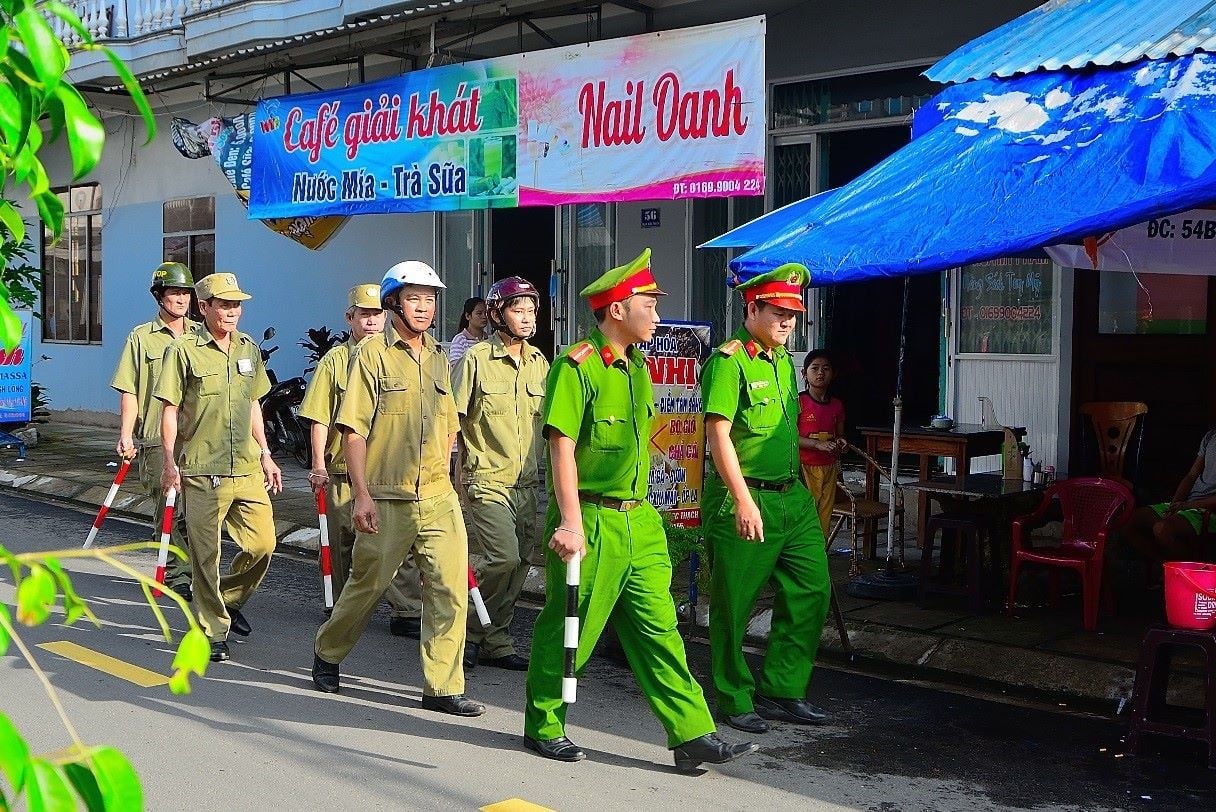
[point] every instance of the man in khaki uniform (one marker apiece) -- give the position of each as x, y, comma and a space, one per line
139, 412
398, 422
320, 405
216, 456
499, 388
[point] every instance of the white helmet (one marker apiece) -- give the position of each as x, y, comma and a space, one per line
409, 272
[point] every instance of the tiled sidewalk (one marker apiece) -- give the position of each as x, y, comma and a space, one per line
1043, 653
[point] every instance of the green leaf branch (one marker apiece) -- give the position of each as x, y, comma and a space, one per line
35, 93
101, 776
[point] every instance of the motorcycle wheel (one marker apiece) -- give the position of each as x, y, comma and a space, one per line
298, 441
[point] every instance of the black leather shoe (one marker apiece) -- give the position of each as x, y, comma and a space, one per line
405, 627
471, 656
561, 749
748, 722
511, 662
219, 651
798, 711
184, 590
325, 675
456, 705
237, 624
709, 749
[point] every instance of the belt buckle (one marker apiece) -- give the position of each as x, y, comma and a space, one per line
630, 504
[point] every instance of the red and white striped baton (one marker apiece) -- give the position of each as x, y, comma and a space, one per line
105, 506
327, 564
480, 605
569, 680
166, 530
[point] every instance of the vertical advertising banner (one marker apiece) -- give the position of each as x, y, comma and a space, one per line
677, 437
16, 401
669, 115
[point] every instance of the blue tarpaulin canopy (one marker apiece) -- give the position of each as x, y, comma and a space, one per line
1001, 166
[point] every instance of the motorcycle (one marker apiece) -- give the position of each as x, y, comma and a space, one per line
280, 410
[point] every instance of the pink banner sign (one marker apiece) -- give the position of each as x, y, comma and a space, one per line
663, 116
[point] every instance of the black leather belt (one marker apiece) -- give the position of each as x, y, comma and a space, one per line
609, 502
765, 485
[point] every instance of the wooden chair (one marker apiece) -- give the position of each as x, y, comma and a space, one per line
860, 512
1117, 427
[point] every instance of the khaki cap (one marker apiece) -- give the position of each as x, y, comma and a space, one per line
220, 286
365, 296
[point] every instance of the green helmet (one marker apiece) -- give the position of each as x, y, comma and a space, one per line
171, 275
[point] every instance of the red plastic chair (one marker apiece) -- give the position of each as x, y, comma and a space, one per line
1092, 507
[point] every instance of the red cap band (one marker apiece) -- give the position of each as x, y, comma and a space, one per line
641, 282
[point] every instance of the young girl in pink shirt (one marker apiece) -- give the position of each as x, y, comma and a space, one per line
820, 433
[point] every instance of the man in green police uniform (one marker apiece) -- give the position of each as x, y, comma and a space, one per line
760, 520
212, 429
499, 387
398, 423
320, 405
599, 405
139, 412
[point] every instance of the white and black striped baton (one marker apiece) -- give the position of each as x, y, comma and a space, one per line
569, 680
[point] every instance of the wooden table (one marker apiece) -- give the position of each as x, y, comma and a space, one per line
963, 443
988, 494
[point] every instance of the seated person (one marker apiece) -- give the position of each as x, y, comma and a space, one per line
1175, 530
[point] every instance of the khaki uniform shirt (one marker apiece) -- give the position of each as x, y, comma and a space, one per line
214, 392
605, 403
402, 405
499, 402
757, 391
324, 396
137, 371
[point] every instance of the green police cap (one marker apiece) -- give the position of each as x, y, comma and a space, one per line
621, 282
171, 275
781, 286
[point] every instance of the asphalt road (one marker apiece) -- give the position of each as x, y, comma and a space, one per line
254, 735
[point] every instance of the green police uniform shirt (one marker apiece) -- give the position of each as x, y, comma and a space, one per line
499, 402
324, 396
605, 403
214, 392
402, 405
756, 390
138, 369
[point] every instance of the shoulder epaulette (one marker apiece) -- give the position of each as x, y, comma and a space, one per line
731, 347
580, 352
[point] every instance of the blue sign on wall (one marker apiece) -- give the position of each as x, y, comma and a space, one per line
15, 400
650, 218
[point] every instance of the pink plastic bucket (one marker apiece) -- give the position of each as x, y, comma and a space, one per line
1190, 595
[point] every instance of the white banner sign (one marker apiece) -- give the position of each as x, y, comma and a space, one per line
1179, 244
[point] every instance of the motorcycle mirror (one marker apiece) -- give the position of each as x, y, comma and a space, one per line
269, 334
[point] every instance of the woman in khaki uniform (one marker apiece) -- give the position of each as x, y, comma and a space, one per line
499, 388
216, 456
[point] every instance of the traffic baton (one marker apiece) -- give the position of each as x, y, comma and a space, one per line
327, 565
569, 680
166, 529
105, 506
478, 603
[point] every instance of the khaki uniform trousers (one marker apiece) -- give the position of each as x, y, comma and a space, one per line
151, 461
243, 504
431, 531
821, 482
404, 593
502, 536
